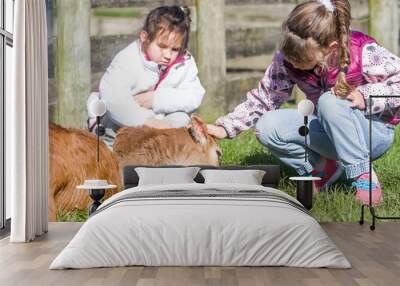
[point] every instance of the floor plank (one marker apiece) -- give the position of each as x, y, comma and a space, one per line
375, 257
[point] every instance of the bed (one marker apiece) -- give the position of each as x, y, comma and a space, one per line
201, 224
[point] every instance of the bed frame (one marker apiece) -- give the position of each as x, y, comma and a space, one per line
270, 179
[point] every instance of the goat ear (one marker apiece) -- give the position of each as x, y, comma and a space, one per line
198, 130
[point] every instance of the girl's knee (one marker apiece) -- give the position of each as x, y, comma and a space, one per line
265, 130
325, 102
329, 104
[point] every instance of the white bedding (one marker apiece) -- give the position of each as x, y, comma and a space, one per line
225, 225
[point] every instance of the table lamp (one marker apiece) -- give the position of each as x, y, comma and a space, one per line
305, 108
95, 187
98, 108
304, 184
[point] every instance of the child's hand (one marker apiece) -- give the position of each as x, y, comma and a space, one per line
356, 98
216, 131
145, 99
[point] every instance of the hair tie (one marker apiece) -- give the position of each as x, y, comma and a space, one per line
328, 5
344, 69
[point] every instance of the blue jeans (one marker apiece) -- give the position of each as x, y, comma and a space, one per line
337, 132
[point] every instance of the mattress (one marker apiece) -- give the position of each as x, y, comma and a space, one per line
201, 225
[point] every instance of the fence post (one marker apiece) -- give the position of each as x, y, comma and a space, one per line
72, 61
384, 23
211, 56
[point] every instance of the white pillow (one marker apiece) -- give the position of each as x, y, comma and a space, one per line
162, 176
249, 177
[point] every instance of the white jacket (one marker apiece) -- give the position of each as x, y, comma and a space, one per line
130, 73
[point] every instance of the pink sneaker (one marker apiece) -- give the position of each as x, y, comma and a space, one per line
362, 186
329, 175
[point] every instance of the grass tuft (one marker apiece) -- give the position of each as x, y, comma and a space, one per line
75, 215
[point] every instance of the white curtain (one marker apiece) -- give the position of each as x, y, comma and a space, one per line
27, 123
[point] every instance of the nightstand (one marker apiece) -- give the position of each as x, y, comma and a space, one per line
96, 190
304, 190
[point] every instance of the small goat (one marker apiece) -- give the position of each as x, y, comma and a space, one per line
72, 156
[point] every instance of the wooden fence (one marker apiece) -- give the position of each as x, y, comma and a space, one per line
75, 57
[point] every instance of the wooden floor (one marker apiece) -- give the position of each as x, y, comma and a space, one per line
375, 257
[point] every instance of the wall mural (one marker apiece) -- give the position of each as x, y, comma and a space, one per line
132, 83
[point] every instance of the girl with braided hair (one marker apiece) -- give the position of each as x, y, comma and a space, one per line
338, 69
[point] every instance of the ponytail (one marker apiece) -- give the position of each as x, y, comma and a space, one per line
186, 11
343, 17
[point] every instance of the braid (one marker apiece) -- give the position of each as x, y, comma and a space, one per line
343, 17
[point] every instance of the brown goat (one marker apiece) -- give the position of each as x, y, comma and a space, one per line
72, 157
72, 160
176, 146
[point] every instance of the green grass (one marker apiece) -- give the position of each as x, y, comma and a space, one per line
117, 12
76, 215
336, 204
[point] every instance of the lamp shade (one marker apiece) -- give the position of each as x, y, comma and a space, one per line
305, 107
98, 107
